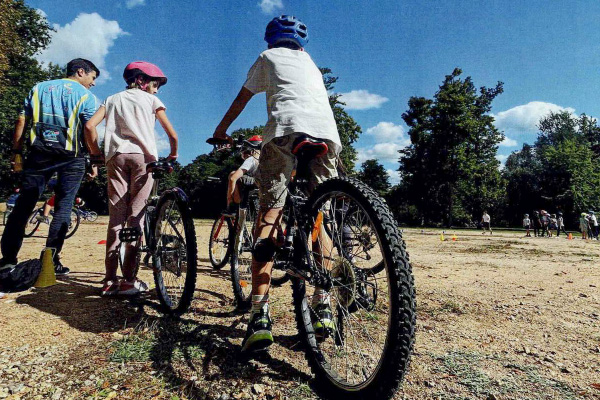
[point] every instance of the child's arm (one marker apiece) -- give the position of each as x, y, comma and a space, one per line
233, 178
161, 115
234, 111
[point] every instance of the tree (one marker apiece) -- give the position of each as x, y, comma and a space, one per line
450, 171
348, 129
374, 174
23, 33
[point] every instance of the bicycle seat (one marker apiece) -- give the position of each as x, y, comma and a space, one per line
160, 166
307, 148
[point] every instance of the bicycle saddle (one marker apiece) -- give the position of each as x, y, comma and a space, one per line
307, 148
160, 166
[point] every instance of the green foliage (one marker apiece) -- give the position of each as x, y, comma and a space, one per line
373, 174
348, 129
449, 172
23, 32
560, 172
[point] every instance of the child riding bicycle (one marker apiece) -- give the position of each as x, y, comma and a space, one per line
129, 144
251, 154
297, 104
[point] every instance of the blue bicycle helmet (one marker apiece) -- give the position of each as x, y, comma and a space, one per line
286, 28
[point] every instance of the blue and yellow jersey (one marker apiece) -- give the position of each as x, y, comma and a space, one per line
59, 109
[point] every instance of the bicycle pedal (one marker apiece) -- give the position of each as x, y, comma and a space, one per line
130, 234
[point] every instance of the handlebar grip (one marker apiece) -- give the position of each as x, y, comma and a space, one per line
217, 141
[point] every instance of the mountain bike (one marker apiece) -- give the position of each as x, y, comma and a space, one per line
343, 244
33, 223
170, 242
86, 215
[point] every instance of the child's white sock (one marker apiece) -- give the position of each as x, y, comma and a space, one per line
260, 302
320, 297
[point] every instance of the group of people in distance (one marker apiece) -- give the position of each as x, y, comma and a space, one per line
63, 115
543, 223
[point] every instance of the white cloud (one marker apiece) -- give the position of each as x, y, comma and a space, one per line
88, 36
362, 100
525, 118
502, 158
134, 3
394, 176
269, 6
41, 13
382, 152
162, 143
387, 131
508, 142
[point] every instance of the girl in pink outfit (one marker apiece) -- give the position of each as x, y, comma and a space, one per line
129, 144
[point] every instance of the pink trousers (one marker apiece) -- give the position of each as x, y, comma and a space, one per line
128, 189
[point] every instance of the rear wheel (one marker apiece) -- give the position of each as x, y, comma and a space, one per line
219, 250
360, 347
74, 221
241, 261
92, 216
32, 223
174, 254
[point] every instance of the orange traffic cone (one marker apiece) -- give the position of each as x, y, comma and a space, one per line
454, 238
570, 237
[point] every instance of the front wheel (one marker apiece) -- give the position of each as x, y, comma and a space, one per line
32, 223
92, 216
241, 260
358, 323
174, 253
219, 249
74, 221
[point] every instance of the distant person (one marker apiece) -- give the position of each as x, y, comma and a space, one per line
584, 225
593, 224
537, 223
545, 219
552, 225
527, 225
485, 223
560, 224
56, 110
129, 144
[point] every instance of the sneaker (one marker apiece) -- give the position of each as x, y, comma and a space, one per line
42, 219
132, 288
60, 270
110, 288
7, 264
324, 325
258, 336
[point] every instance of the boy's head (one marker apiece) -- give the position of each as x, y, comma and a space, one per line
251, 146
145, 76
286, 31
83, 71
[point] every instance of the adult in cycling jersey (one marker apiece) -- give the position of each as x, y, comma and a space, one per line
251, 155
297, 104
57, 111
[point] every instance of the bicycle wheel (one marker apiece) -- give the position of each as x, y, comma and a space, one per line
241, 261
278, 275
174, 254
32, 223
92, 216
6, 214
365, 348
74, 221
219, 250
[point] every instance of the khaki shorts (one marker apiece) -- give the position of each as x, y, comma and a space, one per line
276, 165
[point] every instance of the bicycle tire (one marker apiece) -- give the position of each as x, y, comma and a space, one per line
32, 224
173, 304
92, 216
5, 217
278, 276
74, 224
241, 266
398, 339
219, 236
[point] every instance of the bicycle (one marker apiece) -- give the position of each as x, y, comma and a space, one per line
86, 215
343, 243
33, 223
170, 242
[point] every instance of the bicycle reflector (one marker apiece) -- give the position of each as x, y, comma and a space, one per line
317, 227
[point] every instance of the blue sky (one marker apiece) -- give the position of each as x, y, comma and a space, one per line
546, 53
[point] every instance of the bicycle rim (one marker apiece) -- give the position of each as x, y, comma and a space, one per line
32, 224
241, 264
218, 245
174, 256
365, 349
74, 221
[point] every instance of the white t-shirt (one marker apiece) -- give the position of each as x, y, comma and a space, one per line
130, 121
250, 165
594, 220
486, 218
297, 101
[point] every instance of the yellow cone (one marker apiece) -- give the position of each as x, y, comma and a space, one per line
47, 276
442, 237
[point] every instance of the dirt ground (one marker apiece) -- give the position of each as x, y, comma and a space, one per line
499, 317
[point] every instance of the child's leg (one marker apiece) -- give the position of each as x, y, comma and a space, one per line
118, 197
140, 187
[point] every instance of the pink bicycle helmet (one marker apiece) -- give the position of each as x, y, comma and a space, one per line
132, 70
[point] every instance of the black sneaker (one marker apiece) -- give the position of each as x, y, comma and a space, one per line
323, 325
258, 336
7, 264
60, 270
